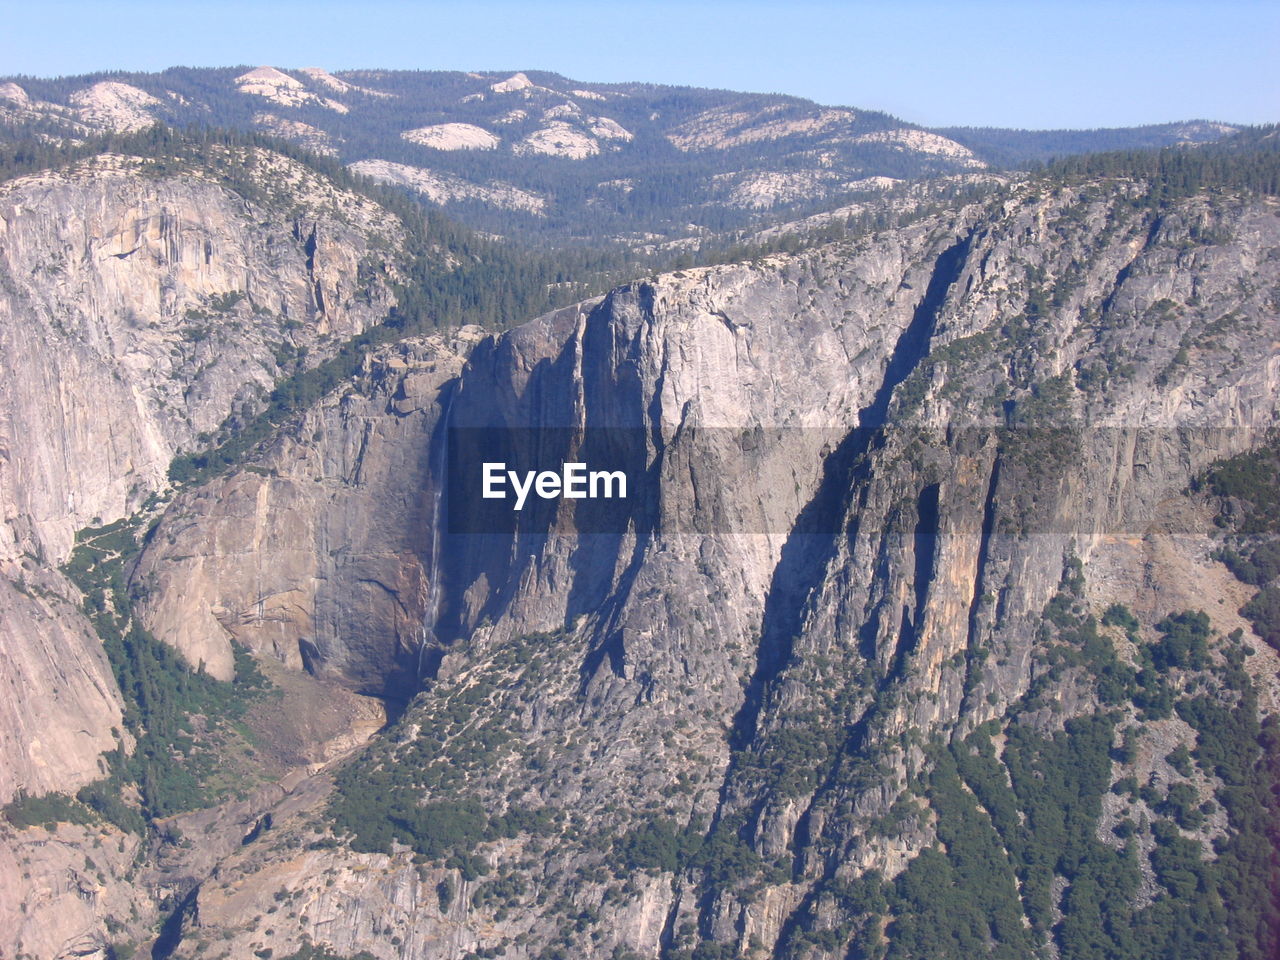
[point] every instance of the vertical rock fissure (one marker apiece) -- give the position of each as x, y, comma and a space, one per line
611, 646
171, 931
980, 573
924, 549
812, 541
1123, 273
811, 546
431, 648
913, 344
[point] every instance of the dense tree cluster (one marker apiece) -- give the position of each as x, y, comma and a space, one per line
45, 810
175, 766
1018, 836
1018, 148
1248, 491
1248, 162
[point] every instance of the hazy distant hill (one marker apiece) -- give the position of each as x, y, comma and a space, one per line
533, 153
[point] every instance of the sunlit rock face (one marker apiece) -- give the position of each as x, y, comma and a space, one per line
844, 522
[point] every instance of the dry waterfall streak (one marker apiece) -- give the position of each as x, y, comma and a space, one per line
439, 464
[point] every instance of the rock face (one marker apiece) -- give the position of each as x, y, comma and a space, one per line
452, 136
116, 106
304, 134
139, 308
445, 188
923, 142
302, 561
558, 139
63, 888
138, 312
865, 468
278, 87
61, 709
723, 128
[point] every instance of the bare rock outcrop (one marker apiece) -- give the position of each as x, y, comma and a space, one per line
140, 306
61, 709
65, 890
137, 312
319, 557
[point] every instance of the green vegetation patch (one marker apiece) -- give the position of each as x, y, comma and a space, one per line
1248, 491
183, 721
46, 811
1021, 861
1249, 163
424, 786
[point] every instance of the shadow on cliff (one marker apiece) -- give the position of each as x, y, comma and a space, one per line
814, 539
834, 512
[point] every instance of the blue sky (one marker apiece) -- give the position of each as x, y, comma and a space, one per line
1032, 64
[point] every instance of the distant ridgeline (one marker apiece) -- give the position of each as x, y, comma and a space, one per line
1247, 162
537, 155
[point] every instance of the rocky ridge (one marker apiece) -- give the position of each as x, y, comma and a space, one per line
557, 138
878, 571
141, 304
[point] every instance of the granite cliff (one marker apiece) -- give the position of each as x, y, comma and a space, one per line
869, 469
143, 303
893, 651
139, 309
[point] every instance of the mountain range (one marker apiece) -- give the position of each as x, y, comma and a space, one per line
536, 154
941, 617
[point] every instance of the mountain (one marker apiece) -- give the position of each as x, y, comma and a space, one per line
939, 621
1020, 147
536, 155
865, 622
